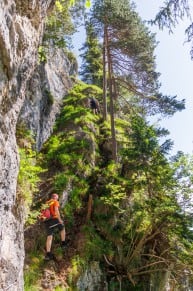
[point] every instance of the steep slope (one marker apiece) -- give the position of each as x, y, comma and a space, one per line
71, 155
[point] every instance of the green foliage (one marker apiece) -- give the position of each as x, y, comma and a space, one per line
73, 112
136, 210
91, 68
60, 182
116, 195
105, 131
145, 156
42, 54
28, 177
71, 56
60, 288
76, 109
88, 4
95, 246
78, 266
59, 24
70, 153
28, 180
29, 170
61, 21
32, 275
67, 152
183, 167
76, 197
32, 216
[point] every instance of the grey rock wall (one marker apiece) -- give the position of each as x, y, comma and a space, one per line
92, 279
46, 89
21, 27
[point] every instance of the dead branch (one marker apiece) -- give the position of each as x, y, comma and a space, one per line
107, 261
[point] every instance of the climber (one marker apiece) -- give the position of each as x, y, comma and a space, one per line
94, 105
55, 222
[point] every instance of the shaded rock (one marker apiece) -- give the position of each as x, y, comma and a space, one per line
92, 279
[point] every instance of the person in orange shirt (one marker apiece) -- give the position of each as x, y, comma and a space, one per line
55, 222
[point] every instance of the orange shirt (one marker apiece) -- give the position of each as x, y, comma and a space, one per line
53, 203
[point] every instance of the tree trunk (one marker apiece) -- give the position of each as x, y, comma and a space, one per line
111, 92
89, 209
104, 76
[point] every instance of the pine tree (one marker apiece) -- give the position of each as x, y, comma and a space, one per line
129, 53
131, 48
91, 68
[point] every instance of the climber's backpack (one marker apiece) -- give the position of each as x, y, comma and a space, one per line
45, 213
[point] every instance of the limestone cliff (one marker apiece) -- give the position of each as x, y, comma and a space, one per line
46, 88
21, 29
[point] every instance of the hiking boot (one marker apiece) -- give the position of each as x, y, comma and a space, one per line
49, 256
63, 245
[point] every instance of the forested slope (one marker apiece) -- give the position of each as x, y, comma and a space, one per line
123, 216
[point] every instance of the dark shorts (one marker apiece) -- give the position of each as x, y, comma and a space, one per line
52, 225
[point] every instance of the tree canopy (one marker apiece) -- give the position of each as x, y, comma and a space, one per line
131, 48
171, 13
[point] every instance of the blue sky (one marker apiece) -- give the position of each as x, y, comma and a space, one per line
176, 68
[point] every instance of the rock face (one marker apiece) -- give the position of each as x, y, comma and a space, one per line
45, 90
21, 28
92, 279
